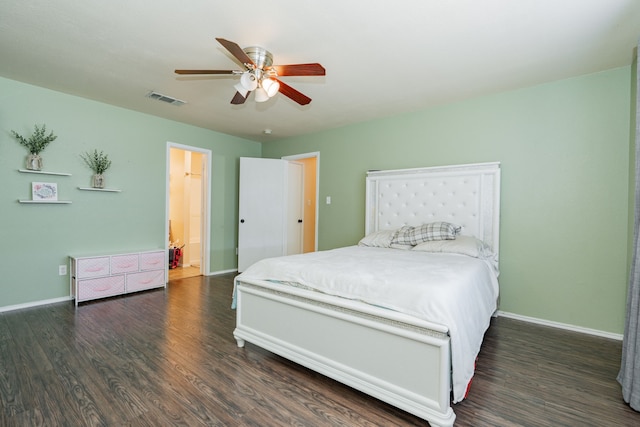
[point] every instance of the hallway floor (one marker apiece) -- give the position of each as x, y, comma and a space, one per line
183, 272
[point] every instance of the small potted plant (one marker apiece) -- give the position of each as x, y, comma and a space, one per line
98, 162
35, 144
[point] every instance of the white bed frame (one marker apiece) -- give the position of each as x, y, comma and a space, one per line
396, 358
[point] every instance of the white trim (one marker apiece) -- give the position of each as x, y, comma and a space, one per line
34, 304
559, 325
206, 184
220, 272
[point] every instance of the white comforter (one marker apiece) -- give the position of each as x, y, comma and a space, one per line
455, 291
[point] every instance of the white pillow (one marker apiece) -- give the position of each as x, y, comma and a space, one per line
465, 245
378, 239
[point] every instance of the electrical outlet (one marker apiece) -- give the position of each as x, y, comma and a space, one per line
62, 270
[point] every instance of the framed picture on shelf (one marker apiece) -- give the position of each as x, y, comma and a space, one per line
44, 191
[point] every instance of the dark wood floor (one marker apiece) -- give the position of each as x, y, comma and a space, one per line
168, 357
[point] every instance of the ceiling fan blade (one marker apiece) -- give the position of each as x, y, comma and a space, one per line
313, 69
239, 99
290, 92
235, 50
206, 72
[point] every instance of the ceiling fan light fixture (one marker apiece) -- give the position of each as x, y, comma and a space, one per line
271, 86
261, 95
249, 81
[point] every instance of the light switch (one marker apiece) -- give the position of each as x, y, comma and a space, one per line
328, 200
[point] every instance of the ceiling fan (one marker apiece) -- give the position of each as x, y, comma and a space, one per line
260, 75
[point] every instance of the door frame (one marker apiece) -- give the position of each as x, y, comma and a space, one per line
315, 154
206, 202
299, 209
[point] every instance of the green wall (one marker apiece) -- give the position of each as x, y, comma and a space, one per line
564, 149
37, 238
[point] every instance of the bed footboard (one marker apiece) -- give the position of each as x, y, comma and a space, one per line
385, 354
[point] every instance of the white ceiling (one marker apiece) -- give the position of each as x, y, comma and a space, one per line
382, 58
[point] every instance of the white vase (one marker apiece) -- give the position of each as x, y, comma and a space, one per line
34, 162
97, 181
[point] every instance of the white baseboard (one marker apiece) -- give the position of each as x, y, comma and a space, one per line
34, 304
218, 273
559, 325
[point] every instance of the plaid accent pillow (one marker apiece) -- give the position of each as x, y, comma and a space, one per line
408, 235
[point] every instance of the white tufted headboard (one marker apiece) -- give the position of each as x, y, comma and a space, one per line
466, 195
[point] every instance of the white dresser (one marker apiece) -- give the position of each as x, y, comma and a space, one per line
102, 276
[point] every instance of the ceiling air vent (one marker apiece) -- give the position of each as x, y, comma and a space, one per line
165, 98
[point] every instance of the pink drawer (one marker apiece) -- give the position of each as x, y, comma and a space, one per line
100, 288
152, 260
145, 280
92, 267
124, 263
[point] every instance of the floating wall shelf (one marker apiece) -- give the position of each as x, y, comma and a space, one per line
44, 172
46, 202
107, 190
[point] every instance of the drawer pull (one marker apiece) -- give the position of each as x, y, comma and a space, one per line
123, 265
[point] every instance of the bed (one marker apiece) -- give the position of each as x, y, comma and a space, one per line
412, 351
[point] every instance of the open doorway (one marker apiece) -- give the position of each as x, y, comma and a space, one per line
310, 191
188, 169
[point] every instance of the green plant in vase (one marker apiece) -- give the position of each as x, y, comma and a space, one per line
98, 162
37, 142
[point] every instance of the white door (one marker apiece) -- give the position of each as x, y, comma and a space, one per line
262, 210
295, 210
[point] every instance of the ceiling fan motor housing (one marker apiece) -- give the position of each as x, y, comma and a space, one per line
260, 56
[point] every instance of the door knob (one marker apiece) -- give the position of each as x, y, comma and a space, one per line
242, 221
299, 221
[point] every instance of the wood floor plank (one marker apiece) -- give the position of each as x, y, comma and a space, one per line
10, 388
48, 406
168, 357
